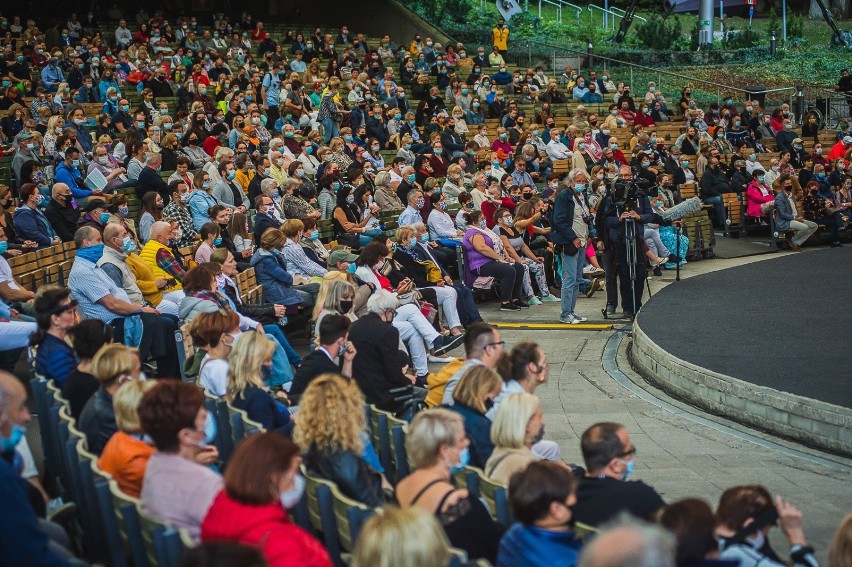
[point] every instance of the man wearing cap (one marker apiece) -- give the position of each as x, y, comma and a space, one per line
52, 75
839, 149
94, 215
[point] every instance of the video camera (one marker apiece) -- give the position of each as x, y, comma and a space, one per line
625, 194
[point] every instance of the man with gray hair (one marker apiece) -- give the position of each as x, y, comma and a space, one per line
571, 221
274, 190
411, 214
150, 180
158, 256
630, 543
379, 367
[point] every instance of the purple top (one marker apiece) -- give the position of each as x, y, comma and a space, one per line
475, 260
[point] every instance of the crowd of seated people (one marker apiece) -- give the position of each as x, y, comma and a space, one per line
344, 178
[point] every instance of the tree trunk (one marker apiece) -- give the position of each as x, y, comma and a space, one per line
815, 13
840, 7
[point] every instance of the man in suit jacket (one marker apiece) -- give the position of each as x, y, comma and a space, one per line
333, 343
150, 180
787, 217
379, 368
264, 219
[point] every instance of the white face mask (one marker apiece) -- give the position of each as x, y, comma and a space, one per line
290, 498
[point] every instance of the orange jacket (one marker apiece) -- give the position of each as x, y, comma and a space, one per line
125, 458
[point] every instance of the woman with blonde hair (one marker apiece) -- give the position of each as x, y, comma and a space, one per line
330, 432
473, 397
113, 365
336, 295
438, 448
517, 426
126, 453
249, 363
54, 129
397, 537
840, 549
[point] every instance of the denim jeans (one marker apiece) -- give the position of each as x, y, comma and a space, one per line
280, 372
275, 332
572, 274
720, 208
329, 127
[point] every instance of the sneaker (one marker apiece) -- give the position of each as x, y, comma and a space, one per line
549, 298
592, 272
445, 344
569, 320
593, 287
610, 310
673, 258
534, 301
439, 359
509, 307
522, 304
579, 318
657, 271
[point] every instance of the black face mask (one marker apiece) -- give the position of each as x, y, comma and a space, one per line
346, 305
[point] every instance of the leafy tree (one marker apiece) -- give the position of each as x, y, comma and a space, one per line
659, 33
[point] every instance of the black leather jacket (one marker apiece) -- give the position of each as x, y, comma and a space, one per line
349, 472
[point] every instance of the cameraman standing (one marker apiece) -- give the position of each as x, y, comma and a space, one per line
570, 235
620, 231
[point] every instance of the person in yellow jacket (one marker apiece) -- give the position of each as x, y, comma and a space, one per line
158, 256
500, 36
130, 272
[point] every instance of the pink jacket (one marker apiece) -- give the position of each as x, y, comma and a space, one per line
755, 196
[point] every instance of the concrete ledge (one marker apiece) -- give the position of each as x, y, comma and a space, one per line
811, 422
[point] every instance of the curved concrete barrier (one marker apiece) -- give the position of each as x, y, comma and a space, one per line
812, 422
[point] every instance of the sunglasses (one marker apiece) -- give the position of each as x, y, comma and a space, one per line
65, 308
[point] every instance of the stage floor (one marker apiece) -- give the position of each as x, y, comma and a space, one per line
783, 323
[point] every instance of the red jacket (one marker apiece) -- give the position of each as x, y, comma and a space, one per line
266, 527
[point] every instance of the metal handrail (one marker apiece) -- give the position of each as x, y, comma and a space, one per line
612, 12
617, 62
559, 5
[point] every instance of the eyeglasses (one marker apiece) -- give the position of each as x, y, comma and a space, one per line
498, 343
628, 453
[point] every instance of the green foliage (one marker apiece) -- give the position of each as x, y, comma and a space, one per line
796, 26
659, 33
694, 34
773, 22
740, 39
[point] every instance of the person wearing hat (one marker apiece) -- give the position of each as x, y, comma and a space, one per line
839, 149
95, 215
52, 75
797, 154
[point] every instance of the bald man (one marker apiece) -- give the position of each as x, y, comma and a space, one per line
62, 212
158, 256
630, 544
23, 536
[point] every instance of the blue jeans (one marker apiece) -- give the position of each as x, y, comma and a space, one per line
720, 208
329, 127
572, 275
284, 354
275, 331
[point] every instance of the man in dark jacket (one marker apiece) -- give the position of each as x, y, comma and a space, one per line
263, 220
605, 491
379, 368
621, 232
62, 212
714, 182
150, 180
333, 344
451, 141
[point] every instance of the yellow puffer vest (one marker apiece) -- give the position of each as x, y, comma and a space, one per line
149, 255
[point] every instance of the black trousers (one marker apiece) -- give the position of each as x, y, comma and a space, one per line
607, 259
511, 278
631, 291
158, 342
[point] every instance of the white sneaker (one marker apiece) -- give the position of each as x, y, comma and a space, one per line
570, 320
578, 318
439, 359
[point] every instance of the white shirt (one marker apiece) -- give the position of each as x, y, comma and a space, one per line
213, 375
558, 150
6, 274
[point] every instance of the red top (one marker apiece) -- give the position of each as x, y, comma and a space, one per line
265, 527
210, 144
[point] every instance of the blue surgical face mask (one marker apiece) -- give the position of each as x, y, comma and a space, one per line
464, 460
7, 444
351, 268
411, 243
127, 245
217, 241
629, 467
314, 235
290, 498
104, 218
4, 245
412, 178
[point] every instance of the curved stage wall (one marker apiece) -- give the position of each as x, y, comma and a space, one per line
766, 344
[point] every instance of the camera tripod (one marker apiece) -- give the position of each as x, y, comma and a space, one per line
631, 257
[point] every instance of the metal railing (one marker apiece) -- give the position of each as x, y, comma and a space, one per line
665, 80
560, 4
614, 12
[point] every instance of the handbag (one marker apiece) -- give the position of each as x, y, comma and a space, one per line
433, 272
